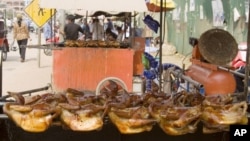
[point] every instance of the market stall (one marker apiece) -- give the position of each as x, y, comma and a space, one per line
127, 116
137, 47
84, 68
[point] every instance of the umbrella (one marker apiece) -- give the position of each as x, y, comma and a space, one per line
96, 5
155, 5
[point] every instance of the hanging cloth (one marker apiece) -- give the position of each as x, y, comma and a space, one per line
151, 23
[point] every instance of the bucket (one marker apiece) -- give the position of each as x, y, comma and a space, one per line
138, 85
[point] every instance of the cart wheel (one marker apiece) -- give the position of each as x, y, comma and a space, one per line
105, 81
47, 52
4, 57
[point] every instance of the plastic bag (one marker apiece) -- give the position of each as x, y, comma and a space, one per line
151, 23
145, 62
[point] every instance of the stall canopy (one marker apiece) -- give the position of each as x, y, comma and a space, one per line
94, 5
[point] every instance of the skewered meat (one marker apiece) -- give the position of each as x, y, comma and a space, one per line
170, 130
176, 120
219, 112
35, 118
174, 114
80, 43
216, 100
184, 98
227, 114
102, 44
31, 115
82, 118
75, 97
69, 43
82, 111
125, 110
31, 119
114, 44
131, 120
91, 43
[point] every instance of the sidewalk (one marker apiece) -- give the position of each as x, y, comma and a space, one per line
29, 75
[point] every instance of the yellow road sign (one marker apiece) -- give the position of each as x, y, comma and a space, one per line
39, 15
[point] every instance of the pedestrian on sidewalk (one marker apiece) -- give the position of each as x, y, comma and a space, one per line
21, 34
48, 31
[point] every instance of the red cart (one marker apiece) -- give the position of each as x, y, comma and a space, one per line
88, 68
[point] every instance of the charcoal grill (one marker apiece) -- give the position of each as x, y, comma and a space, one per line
11, 132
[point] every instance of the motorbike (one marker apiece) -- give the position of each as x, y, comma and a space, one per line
4, 45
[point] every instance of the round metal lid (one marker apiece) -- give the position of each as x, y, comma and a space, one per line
218, 46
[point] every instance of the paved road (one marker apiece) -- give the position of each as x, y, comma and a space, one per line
19, 76
29, 75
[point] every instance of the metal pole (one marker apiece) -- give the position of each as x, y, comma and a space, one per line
1, 70
160, 49
39, 51
51, 25
179, 74
232, 71
62, 24
5, 16
28, 92
247, 58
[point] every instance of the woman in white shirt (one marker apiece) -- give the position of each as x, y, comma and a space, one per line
97, 30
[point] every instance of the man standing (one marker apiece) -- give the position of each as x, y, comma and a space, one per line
110, 24
71, 29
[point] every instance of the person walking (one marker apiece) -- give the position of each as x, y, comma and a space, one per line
21, 35
48, 31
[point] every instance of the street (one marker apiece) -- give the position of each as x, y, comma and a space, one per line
18, 76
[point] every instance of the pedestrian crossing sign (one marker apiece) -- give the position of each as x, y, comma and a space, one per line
39, 15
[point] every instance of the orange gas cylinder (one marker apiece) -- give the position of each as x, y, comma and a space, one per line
214, 81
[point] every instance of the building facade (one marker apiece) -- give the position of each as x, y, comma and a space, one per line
17, 5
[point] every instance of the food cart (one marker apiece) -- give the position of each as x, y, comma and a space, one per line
84, 68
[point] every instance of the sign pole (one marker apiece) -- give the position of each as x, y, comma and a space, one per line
1, 73
39, 16
39, 50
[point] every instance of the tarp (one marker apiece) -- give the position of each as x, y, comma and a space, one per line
95, 5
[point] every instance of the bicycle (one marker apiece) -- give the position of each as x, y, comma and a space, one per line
51, 41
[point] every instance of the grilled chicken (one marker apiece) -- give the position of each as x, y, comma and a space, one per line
36, 118
34, 114
82, 118
131, 120
219, 112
